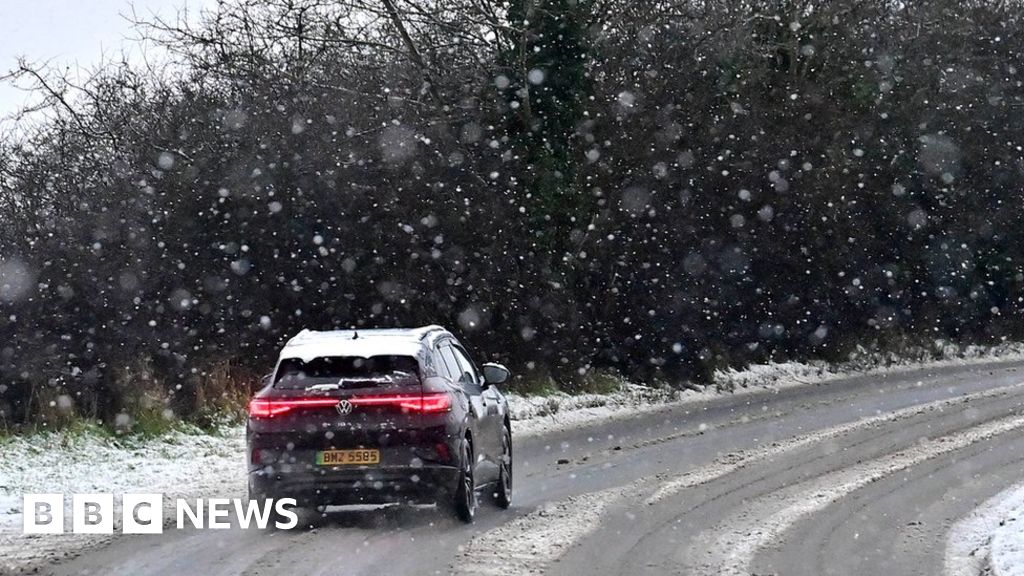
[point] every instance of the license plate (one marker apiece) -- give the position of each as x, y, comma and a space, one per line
347, 457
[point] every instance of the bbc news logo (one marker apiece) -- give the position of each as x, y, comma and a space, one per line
144, 513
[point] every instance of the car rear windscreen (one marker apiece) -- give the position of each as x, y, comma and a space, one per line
344, 372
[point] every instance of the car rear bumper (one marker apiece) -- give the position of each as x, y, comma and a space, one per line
364, 485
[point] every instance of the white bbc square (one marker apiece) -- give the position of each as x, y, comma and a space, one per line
92, 513
142, 514
42, 514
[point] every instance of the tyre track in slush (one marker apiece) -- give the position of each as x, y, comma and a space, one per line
717, 523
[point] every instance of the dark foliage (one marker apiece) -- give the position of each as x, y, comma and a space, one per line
658, 188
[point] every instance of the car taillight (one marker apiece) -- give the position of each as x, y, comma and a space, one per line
268, 408
434, 403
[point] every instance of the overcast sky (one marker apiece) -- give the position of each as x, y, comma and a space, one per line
75, 33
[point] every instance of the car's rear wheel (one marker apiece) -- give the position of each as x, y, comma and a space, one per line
503, 495
465, 492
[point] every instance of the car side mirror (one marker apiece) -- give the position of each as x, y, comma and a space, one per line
265, 380
495, 373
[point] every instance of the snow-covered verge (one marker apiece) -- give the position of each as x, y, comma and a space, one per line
176, 464
559, 411
989, 540
1007, 554
544, 414
941, 353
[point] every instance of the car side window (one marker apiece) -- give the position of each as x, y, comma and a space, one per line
466, 368
451, 366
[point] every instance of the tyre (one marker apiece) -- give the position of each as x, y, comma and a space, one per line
503, 495
465, 493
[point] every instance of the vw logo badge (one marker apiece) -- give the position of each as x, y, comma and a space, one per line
344, 407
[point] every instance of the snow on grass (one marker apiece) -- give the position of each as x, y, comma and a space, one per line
545, 414
940, 354
176, 464
1007, 553
990, 539
556, 412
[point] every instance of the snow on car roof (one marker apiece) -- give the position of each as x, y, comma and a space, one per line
310, 344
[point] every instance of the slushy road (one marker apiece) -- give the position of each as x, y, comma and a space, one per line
862, 475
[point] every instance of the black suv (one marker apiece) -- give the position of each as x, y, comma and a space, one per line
380, 416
